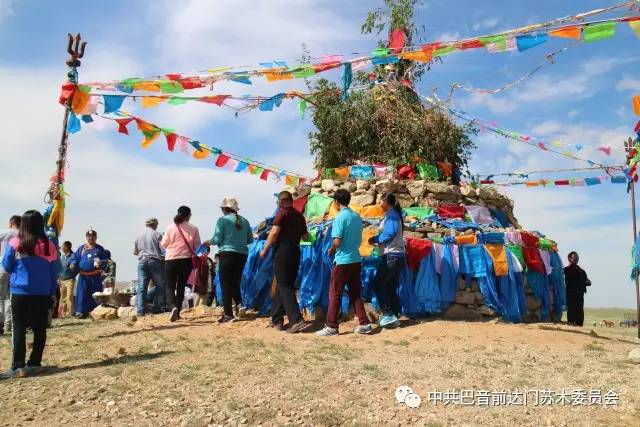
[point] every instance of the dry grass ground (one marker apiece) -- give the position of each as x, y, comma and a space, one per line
196, 373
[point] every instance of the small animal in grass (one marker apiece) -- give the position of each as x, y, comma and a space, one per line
607, 323
595, 323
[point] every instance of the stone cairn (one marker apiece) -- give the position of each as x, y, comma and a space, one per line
469, 301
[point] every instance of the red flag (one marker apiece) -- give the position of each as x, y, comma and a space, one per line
562, 182
191, 83
67, 92
171, 140
173, 77
637, 128
396, 40
470, 44
318, 68
218, 99
122, 125
222, 160
265, 174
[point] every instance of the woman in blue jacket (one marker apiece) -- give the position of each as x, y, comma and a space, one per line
387, 279
31, 259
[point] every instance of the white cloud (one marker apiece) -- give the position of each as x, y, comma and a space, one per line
584, 83
628, 84
486, 24
495, 103
573, 114
221, 33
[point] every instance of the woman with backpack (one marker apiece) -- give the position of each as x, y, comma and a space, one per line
232, 236
180, 241
31, 259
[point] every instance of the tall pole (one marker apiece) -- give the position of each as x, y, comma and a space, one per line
635, 238
55, 193
628, 147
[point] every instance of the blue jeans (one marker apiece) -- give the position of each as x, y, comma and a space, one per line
150, 269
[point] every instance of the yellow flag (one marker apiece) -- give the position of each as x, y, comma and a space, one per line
151, 101
200, 155
148, 86
635, 26
418, 55
557, 143
149, 139
217, 70
636, 104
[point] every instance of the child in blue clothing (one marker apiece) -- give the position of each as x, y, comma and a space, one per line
31, 260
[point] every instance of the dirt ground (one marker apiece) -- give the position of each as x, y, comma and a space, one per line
197, 372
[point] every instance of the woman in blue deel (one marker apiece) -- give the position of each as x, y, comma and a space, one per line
387, 279
92, 258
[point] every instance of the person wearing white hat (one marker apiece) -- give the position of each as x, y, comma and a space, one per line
232, 236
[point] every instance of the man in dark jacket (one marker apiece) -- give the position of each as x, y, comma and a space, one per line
577, 281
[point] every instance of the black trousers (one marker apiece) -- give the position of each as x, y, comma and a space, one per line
177, 273
286, 263
29, 311
231, 266
385, 284
575, 308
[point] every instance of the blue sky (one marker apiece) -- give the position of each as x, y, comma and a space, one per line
583, 98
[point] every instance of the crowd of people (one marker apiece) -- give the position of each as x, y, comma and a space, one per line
35, 283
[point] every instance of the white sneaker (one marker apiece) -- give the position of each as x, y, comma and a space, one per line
327, 332
363, 329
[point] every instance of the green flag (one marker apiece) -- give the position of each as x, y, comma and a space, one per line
594, 33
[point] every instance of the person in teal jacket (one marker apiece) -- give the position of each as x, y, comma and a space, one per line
232, 236
31, 259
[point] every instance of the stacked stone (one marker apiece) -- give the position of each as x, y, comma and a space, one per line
418, 193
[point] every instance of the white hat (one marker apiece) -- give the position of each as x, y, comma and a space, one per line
231, 203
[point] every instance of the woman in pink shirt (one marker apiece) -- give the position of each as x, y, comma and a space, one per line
180, 240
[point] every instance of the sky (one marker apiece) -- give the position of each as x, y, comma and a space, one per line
583, 98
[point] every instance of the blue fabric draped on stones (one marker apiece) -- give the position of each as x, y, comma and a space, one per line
491, 238
217, 287
314, 288
557, 282
472, 260
369, 268
539, 283
508, 293
448, 278
476, 262
522, 296
306, 262
257, 277
455, 224
406, 293
427, 288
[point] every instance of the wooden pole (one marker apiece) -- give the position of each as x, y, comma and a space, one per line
635, 238
628, 147
75, 49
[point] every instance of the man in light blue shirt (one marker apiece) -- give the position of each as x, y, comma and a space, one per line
347, 266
